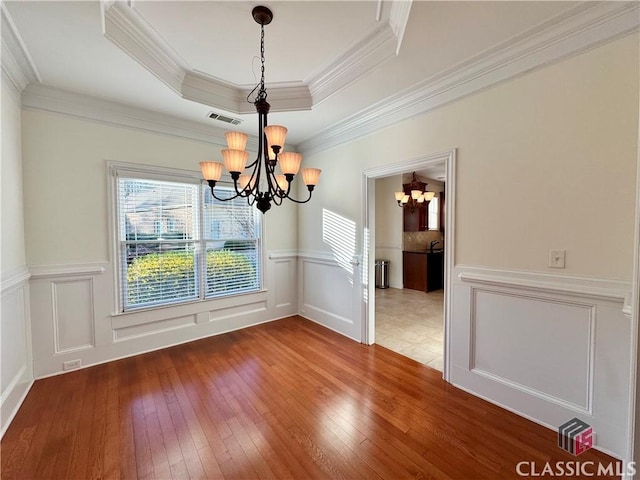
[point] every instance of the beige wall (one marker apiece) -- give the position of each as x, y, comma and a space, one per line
389, 227
12, 233
16, 373
66, 185
545, 161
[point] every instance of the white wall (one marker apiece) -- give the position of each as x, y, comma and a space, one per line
16, 373
558, 149
389, 227
69, 247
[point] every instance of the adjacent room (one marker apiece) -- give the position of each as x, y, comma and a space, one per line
292, 239
409, 238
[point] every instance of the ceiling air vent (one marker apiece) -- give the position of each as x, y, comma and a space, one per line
224, 118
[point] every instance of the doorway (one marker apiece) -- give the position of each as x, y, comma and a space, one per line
403, 306
411, 323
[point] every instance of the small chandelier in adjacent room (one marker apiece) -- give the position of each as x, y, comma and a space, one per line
418, 194
262, 184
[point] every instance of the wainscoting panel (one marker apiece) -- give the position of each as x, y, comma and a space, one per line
329, 294
548, 347
16, 371
283, 275
127, 333
524, 324
72, 314
74, 317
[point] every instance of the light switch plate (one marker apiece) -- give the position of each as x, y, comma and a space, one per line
557, 258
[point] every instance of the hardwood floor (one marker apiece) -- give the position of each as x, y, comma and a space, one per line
283, 400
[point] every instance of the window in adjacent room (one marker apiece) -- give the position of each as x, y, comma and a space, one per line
178, 244
433, 214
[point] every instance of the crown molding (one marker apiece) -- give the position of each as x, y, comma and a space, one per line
129, 31
374, 49
205, 89
398, 19
584, 27
17, 65
209, 91
40, 97
126, 28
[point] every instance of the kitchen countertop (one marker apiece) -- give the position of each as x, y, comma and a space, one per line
423, 251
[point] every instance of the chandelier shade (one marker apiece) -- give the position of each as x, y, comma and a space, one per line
258, 181
310, 176
276, 135
414, 195
282, 182
234, 160
211, 170
290, 162
236, 140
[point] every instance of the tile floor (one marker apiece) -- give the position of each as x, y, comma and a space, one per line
410, 322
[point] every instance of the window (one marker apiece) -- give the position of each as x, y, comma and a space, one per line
433, 214
178, 244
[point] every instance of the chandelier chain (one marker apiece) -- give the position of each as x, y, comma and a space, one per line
263, 185
262, 93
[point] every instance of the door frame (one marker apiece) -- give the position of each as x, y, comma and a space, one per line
369, 177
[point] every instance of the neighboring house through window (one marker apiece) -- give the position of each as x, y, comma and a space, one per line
176, 243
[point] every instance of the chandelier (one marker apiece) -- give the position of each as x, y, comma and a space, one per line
261, 184
418, 194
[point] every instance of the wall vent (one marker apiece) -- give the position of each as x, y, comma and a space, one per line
224, 118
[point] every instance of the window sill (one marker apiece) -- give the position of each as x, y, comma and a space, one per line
194, 306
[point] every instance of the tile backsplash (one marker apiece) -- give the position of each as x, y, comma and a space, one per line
420, 240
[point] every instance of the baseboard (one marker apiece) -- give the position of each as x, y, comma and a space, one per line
16, 397
162, 347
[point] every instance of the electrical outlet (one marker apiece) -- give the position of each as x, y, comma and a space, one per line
72, 364
557, 258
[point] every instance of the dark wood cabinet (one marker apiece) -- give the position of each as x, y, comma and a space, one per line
415, 219
414, 269
423, 271
435, 271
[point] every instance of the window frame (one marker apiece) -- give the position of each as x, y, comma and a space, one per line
117, 170
436, 226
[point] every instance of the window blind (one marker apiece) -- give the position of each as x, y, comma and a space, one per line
231, 234
158, 233
179, 244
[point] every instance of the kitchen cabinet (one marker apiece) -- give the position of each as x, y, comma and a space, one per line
435, 271
414, 270
423, 271
415, 219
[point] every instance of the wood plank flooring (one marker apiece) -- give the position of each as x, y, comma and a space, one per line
282, 400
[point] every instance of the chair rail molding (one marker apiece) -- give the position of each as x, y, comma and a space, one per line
581, 286
15, 277
68, 270
75, 315
548, 347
